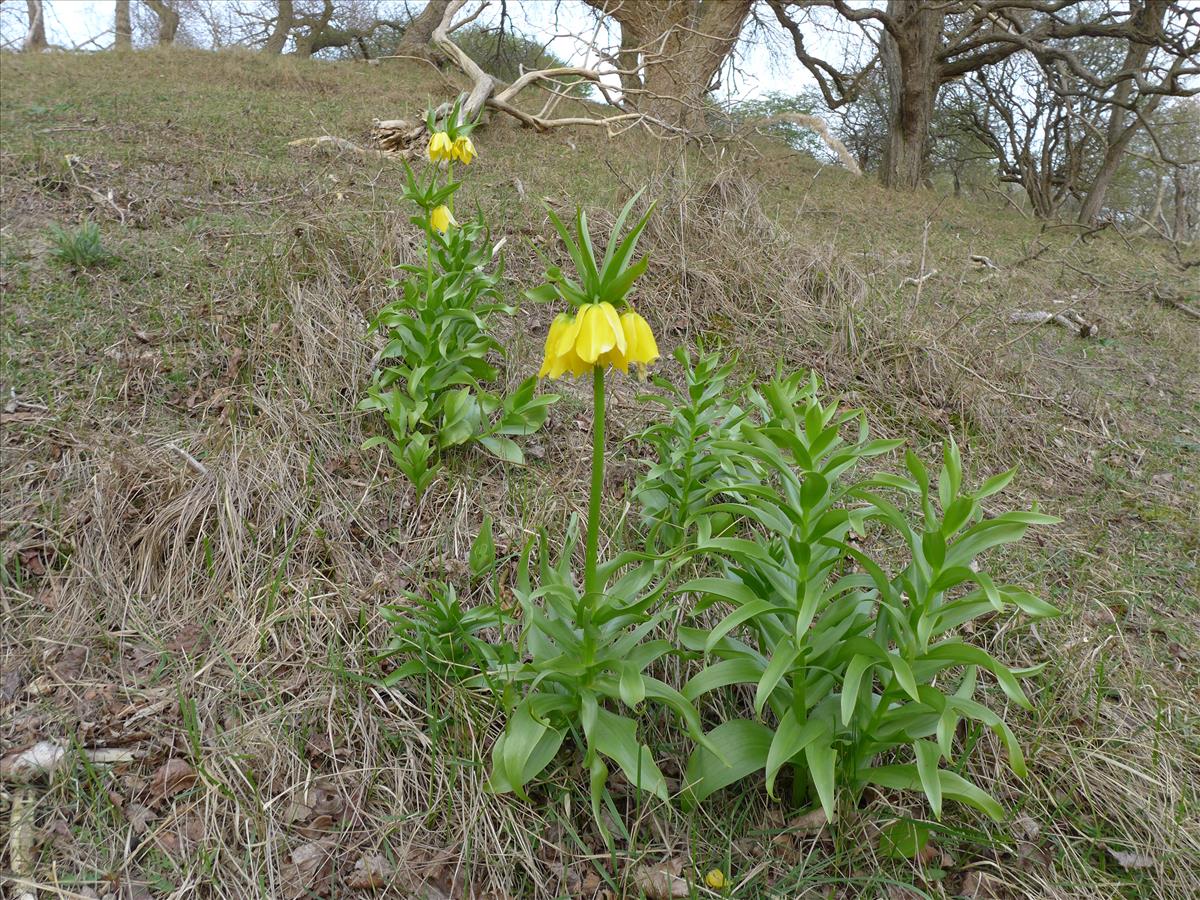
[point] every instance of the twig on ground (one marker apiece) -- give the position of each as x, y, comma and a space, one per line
995, 387
198, 467
102, 197
329, 140
1177, 303
920, 279
1067, 319
21, 838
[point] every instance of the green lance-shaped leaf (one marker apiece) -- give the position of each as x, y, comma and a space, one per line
743, 744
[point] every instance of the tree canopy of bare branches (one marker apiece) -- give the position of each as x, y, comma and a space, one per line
923, 46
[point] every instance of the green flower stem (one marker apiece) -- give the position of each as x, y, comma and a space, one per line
592, 588
428, 257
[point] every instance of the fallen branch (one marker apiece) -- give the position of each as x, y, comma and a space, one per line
329, 140
407, 138
1176, 303
44, 758
983, 261
196, 466
1069, 320
99, 196
919, 279
22, 835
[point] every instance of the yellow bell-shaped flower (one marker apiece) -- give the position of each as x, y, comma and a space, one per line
640, 346
716, 880
440, 147
555, 364
463, 150
441, 219
597, 336
596, 330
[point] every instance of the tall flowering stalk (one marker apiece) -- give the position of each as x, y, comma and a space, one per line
594, 339
430, 387
587, 649
597, 337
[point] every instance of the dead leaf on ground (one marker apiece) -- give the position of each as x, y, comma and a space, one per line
189, 639
979, 885
32, 561
809, 823
662, 881
1132, 859
326, 802
11, 686
139, 817
308, 870
49, 595
320, 825
143, 659
182, 839
172, 777
57, 832
1032, 856
930, 852
316, 804
318, 746
1027, 827
1096, 616
371, 873
585, 885
233, 365
68, 667
792, 837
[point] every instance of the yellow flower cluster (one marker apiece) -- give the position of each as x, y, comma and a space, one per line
597, 336
442, 148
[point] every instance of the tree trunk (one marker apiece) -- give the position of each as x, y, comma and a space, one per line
1120, 131
35, 37
682, 43
629, 62
124, 27
168, 20
1093, 204
1039, 188
911, 67
317, 34
1179, 231
284, 16
417, 36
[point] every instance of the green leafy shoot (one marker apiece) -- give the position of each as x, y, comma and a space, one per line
585, 673
80, 248
608, 280
441, 638
851, 667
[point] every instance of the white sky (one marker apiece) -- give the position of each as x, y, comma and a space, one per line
766, 65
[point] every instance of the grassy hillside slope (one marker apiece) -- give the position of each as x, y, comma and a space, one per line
195, 547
